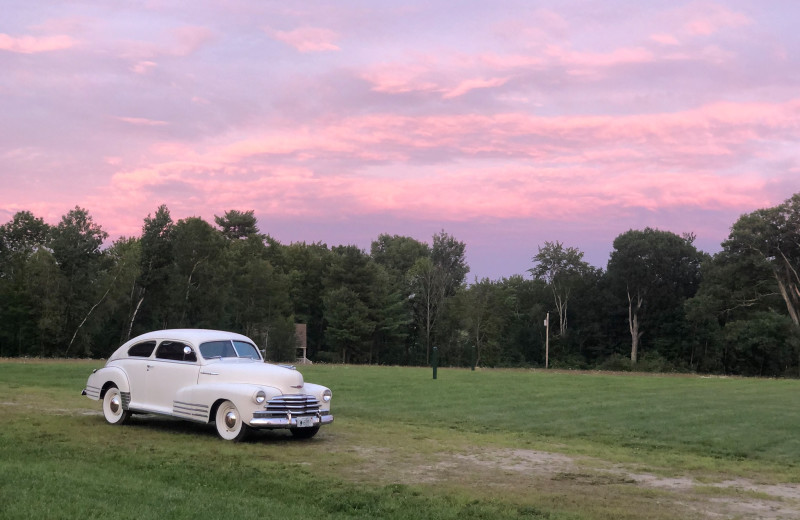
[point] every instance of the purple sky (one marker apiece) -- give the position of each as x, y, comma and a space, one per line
506, 123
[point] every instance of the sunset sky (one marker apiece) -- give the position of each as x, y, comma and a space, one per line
504, 123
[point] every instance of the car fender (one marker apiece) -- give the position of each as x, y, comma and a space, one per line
207, 397
317, 391
100, 380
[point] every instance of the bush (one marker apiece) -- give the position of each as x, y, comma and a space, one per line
616, 363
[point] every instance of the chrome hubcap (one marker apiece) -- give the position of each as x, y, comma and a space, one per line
114, 405
231, 419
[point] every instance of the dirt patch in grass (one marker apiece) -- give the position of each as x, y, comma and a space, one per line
520, 472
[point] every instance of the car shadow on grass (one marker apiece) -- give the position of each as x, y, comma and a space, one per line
162, 423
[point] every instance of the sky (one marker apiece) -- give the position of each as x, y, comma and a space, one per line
506, 124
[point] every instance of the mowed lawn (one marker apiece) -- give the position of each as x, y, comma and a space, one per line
471, 444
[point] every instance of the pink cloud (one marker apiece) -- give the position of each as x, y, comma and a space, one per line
35, 44
577, 166
473, 84
189, 39
401, 78
706, 19
462, 74
308, 39
622, 56
664, 39
144, 67
141, 121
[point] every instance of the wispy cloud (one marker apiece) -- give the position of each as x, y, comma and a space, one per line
141, 121
35, 44
307, 39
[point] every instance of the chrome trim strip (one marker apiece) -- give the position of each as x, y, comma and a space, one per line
284, 422
126, 399
91, 392
190, 409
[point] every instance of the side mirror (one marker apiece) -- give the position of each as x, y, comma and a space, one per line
188, 354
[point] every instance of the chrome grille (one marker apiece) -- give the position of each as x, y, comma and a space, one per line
291, 405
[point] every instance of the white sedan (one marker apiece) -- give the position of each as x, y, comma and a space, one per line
208, 376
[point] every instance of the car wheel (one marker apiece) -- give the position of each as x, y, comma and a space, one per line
229, 423
112, 407
304, 433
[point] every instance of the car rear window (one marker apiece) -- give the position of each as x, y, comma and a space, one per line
143, 349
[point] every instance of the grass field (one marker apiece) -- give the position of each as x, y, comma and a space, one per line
483, 444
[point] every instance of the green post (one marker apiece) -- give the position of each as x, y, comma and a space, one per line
435, 360
473, 360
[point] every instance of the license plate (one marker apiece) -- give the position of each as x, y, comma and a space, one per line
305, 422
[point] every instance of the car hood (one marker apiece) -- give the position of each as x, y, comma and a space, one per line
286, 380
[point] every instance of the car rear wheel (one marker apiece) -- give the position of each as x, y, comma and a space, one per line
229, 423
112, 407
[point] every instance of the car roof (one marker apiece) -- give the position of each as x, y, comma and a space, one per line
194, 336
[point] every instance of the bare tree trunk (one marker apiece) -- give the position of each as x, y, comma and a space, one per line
89, 314
790, 290
133, 318
188, 289
633, 324
786, 292
561, 307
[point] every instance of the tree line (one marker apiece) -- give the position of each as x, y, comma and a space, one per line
660, 304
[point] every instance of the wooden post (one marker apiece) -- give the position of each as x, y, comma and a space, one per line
547, 341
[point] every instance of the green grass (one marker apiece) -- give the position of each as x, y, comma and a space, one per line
730, 419
403, 446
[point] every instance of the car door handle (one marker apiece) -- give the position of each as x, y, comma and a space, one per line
149, 367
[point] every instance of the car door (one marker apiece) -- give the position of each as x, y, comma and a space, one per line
135, 368
169, 371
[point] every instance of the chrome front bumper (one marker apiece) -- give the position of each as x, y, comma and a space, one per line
260, 420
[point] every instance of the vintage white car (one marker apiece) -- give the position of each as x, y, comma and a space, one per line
207, 376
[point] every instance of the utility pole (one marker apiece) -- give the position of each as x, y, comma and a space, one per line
547, 341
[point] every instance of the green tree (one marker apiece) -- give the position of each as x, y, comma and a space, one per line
22, 239
561, 269
484, 308
433, 281
350, 328
773, 234
76, 244
306, 266
260, 298
655, 272
157, 273
236, 225
352, 275
398, 254
200, 268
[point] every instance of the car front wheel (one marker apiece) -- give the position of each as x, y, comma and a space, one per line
112, 407
229, 423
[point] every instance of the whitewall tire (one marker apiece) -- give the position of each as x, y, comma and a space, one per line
229, 423
112, 407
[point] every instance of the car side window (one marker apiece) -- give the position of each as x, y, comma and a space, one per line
247, 350
173, 351
143, 349
212, 349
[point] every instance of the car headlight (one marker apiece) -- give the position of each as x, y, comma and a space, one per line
259, 397
326, 395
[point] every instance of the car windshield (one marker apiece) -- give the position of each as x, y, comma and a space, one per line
228, 348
